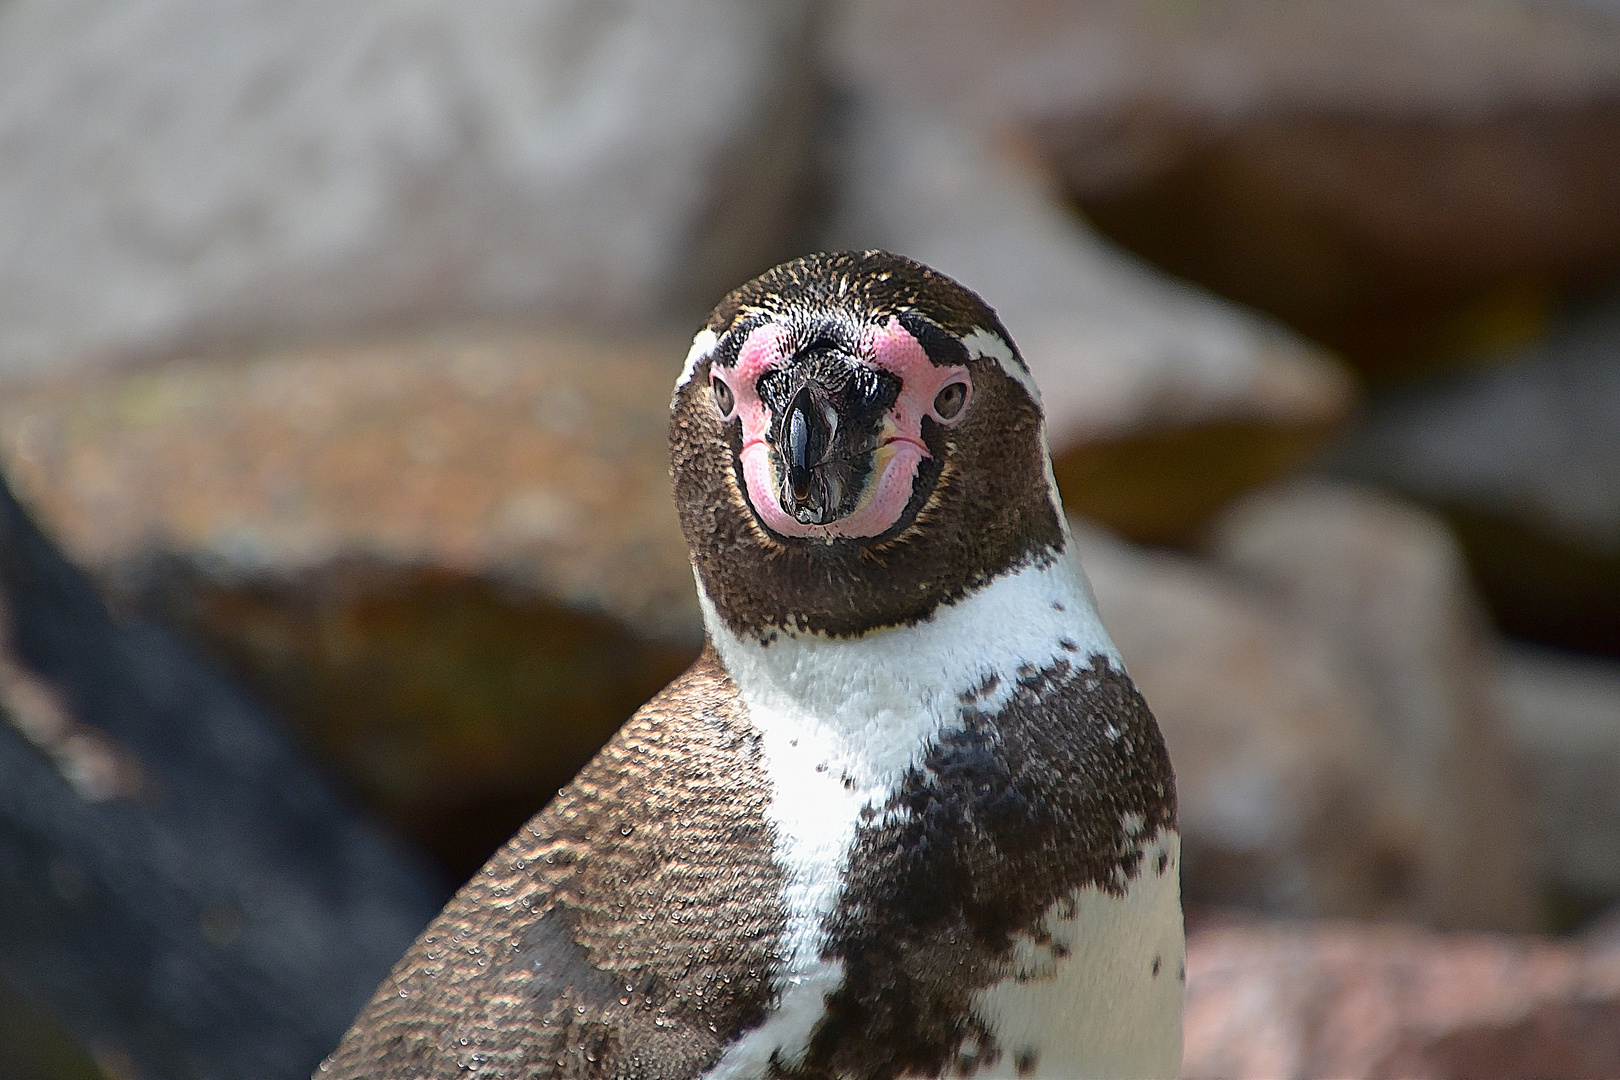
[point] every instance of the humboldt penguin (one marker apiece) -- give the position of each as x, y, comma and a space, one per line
906, 815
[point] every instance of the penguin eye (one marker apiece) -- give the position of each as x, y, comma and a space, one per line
949, 401
723, 399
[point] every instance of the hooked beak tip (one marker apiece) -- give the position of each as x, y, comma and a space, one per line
800, 479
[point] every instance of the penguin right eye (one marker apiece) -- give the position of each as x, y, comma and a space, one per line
723, 398
949, 401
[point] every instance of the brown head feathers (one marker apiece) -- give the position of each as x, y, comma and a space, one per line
856, 442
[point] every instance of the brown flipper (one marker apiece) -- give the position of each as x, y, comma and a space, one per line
628, 930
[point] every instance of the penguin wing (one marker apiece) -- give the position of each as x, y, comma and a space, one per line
628, 930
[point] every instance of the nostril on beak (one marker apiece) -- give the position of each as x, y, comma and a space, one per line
806, 444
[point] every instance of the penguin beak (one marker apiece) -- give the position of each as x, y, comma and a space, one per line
833, 434
831, 418
812, 485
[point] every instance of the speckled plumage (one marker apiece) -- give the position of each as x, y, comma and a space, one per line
623, 932
906, 817
983, 836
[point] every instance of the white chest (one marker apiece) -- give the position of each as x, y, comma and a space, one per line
1102, 998
841, 723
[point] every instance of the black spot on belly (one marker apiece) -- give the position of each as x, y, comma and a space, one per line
1156, 964
1164, 861
1025, 1061
1007, 815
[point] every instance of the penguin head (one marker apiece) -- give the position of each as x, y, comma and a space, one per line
849, 411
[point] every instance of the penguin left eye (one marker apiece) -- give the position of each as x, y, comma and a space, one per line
723, 398
949, 401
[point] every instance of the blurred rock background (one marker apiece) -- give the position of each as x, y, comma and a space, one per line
336, 342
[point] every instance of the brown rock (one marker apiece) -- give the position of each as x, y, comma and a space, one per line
1388, 1001
1397, 178
451, 558
1385, 583
1291, 798
1162, 402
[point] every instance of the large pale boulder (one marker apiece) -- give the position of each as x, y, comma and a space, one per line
184, 170
1385, 583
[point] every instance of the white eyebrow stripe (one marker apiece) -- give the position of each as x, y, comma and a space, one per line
987, 343
702, 347
984, 342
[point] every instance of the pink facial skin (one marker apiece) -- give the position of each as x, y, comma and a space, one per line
890, 347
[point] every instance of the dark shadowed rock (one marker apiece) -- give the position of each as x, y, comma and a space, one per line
33, 1046
1385, 583
1524, 460
1564, 715
179, 887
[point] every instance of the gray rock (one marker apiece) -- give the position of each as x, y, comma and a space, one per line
1534, 437
178, 171
1227, 56
1292, 799
1385, 583
1563, 711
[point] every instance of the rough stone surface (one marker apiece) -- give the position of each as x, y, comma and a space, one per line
1397, 178
1162, 401
1356, 1001
1564, 715
1291, 796
182, 170
1524, 458
451, 558
531, 456
1385, 583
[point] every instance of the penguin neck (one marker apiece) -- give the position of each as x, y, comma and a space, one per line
884, 694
